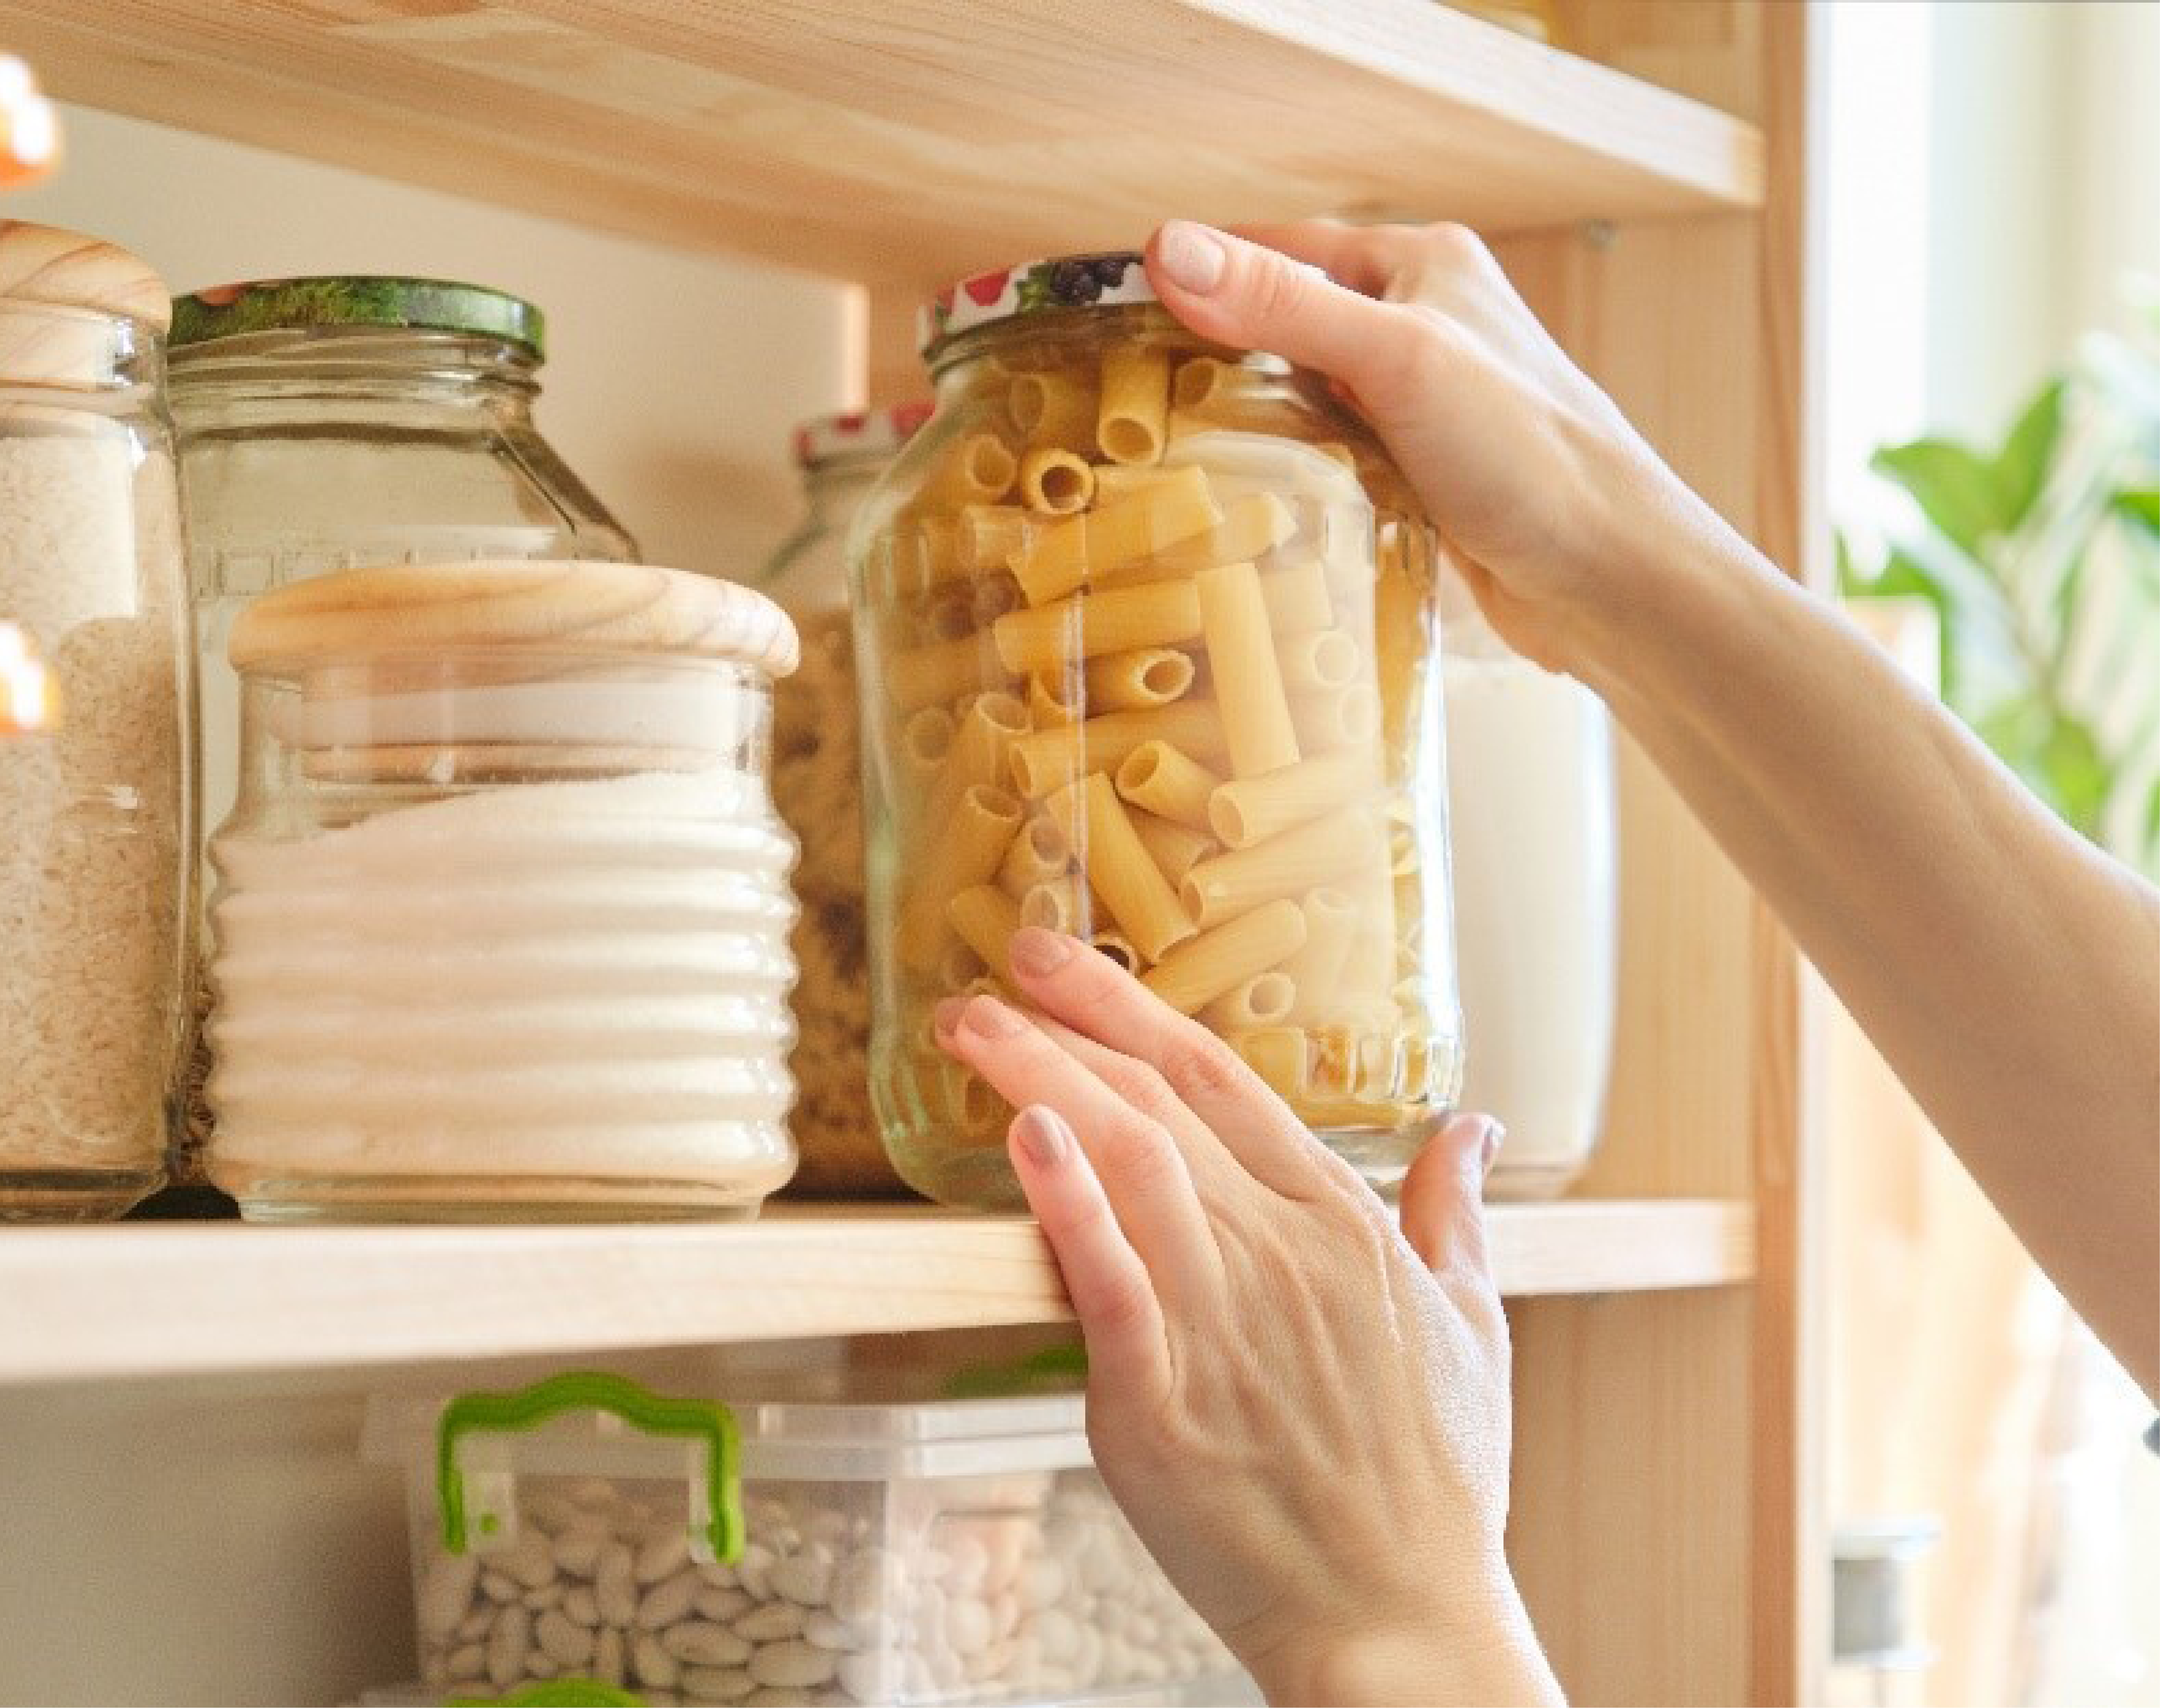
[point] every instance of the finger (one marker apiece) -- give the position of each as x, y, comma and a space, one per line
1102, 1001
1142, 1173
1252, 298
1362, 258
1109, 1284
1443, 1196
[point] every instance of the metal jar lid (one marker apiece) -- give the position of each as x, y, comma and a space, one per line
356, 300
1107, 279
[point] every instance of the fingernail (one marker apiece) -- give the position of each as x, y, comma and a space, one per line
945, 1016
1488, 1148
1042, 1135
1191, 256
986, 1017
1039, 952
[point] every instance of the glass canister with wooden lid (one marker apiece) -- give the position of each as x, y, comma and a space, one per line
1148, 649
94, 697
500, 922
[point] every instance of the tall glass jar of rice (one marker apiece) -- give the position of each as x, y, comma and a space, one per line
1147, 650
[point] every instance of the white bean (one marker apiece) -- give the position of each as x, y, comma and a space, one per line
578, 1549
447, 1592
662, 1555
470, 1662
652, 1663
507, 1646
723, 1606
580, 1607
715, 1684
567, 1644
805, 1578
498, 1588
614, 1588
530, 1560
864, 1677
967, 1626
792, 1665
703, 1644
773, 1622
755, 1570
608, 1657
667, 1602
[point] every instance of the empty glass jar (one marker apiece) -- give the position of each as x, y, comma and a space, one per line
93, 703
501, 924
1148, 652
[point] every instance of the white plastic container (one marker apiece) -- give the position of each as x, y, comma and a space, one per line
951, 1551
1535, 844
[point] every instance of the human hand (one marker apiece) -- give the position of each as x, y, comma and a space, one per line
1302, 1408
1559, 513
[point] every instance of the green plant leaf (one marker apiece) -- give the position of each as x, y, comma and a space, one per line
2021, 467
1955, 486
2140, 504
2079, 775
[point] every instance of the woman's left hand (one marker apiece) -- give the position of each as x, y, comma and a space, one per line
1302, 1408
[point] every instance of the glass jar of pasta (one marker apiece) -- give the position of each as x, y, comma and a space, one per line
1147, 654
817, 784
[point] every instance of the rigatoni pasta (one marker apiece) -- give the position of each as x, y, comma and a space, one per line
1179, 718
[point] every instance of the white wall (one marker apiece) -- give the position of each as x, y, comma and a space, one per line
672, 379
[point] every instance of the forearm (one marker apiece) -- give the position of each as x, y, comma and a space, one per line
2008, 971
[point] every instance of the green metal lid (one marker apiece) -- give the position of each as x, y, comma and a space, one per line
288, 304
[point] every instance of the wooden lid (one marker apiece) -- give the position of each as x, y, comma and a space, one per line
65, 269
512, 605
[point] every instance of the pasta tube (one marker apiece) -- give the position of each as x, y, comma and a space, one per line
1053, 699
1175, 847
979, 469
984, 918
951, 616
1049, 759
1248, 810
1115, 482
1156, 777
1278, 1054
994, 595
1132, 423
1053, 408
1057, 904
1326, 658
1330, 918
1252, 527
942, 670
925, 740
1216, 962
1039, 853
925, 555
1088, 624
1132, 886
1241, 654
1118, 948
1322, 852
1127, 681
1338, 717
1061, 556
1055, 482
1402, 633
986, 536
1265, 1000
980, 743
1203, 380
958, 967
965, 854
1297, 597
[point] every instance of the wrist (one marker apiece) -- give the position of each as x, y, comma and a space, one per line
1479, 1650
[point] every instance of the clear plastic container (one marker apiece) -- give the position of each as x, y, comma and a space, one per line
501, 925
816, 780
952, 1551
1537, 906
1148, 647
94, 841
335, 422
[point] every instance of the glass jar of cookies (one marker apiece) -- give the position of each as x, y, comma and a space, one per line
1148, 653
817, 784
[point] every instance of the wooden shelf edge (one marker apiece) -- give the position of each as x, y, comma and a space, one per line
151, 1299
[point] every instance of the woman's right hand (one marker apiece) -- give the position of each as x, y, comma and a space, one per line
1553, 503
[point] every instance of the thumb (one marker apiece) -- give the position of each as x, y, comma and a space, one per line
1253, 298
1443, 1195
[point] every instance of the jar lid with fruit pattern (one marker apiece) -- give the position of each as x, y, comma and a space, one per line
858, 432
1108, 279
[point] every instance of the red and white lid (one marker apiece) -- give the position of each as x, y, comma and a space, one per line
861, 433
1107, 279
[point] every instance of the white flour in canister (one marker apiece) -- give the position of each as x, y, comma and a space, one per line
549, 993
1531, 814
91, 860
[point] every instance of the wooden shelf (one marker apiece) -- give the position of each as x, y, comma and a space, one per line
907, 142
172, 1298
